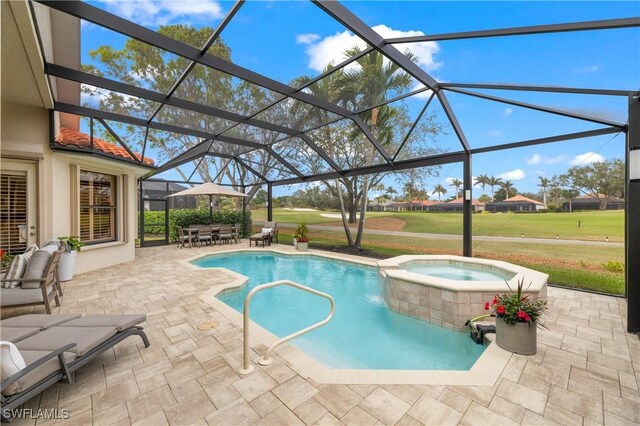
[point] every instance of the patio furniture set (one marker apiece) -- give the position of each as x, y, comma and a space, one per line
208, 234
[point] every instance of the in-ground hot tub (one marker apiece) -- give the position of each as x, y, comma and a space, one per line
448, 290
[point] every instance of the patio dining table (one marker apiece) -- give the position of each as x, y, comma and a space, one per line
215, 229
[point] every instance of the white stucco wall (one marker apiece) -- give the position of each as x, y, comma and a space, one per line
24, 134
101, 255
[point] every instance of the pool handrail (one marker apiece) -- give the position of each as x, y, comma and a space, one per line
266, 359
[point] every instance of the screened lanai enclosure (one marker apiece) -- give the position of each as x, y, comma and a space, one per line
205, 110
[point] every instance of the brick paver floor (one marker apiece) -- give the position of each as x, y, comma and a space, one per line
586, 371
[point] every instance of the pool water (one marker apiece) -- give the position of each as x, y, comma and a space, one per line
459, 272
363, 334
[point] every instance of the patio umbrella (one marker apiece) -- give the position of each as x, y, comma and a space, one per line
210, 189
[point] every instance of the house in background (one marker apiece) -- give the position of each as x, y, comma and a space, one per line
456, 206
155, 192
517, 203
590, 202
56, 180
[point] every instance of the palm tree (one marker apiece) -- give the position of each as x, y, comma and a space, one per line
493, 182
456, 183
323, 89
482, 180
389, 192
367, 85
544, 184
507, 185
440, 190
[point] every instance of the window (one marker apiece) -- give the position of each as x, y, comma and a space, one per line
97, 207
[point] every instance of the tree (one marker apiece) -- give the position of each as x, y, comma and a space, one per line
456, 183
484, 198
507, 185
410, 191
601, 180
260, 199
482, 180
501, 194
544, 184
372, 80
493, 182
440, 190
142, 65
389, 192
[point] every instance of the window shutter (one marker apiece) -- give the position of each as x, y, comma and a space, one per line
13, 212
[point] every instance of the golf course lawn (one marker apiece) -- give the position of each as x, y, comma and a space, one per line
594, 225
568, 264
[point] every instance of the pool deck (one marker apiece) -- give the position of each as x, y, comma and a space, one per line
586, 371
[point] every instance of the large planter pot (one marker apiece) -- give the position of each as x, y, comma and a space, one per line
66, 266
295, 242
519, 338
302, 246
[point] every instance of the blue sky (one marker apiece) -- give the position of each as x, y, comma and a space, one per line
286, 39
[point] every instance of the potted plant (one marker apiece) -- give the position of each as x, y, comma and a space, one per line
517, 319
301, 237
71, 246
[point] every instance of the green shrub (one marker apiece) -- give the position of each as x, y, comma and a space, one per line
154, 221
612, 266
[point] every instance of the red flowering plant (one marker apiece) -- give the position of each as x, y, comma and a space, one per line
516, 307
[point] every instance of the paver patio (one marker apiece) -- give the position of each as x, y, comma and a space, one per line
586, 371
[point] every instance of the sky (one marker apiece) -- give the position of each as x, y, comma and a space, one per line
286, 39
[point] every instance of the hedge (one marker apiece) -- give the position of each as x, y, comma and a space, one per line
154, 220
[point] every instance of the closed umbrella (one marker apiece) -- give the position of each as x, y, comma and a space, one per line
210, 189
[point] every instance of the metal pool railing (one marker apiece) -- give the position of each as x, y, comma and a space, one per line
266, 359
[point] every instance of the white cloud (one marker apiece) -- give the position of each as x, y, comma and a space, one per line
306, 38
587, 158
155, 13
540, 172
508, 111
536, 159
496, 133
587, 69
322, 51
517, 174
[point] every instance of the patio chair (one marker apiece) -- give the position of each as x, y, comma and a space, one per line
182, 237
46, 349
225, 233
235, 232
205, 234
37, 286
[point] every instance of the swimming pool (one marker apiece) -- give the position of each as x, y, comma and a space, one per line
364, 333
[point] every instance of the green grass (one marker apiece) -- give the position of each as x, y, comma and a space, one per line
568, 265
586, 280
594, 225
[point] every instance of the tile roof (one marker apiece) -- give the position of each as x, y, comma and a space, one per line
68, 137
459, 200
520, 198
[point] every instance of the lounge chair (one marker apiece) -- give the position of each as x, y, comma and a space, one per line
38, 285
273, 235
55, 346
265, 237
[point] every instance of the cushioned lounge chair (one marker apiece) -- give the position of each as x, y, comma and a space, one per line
55, 346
